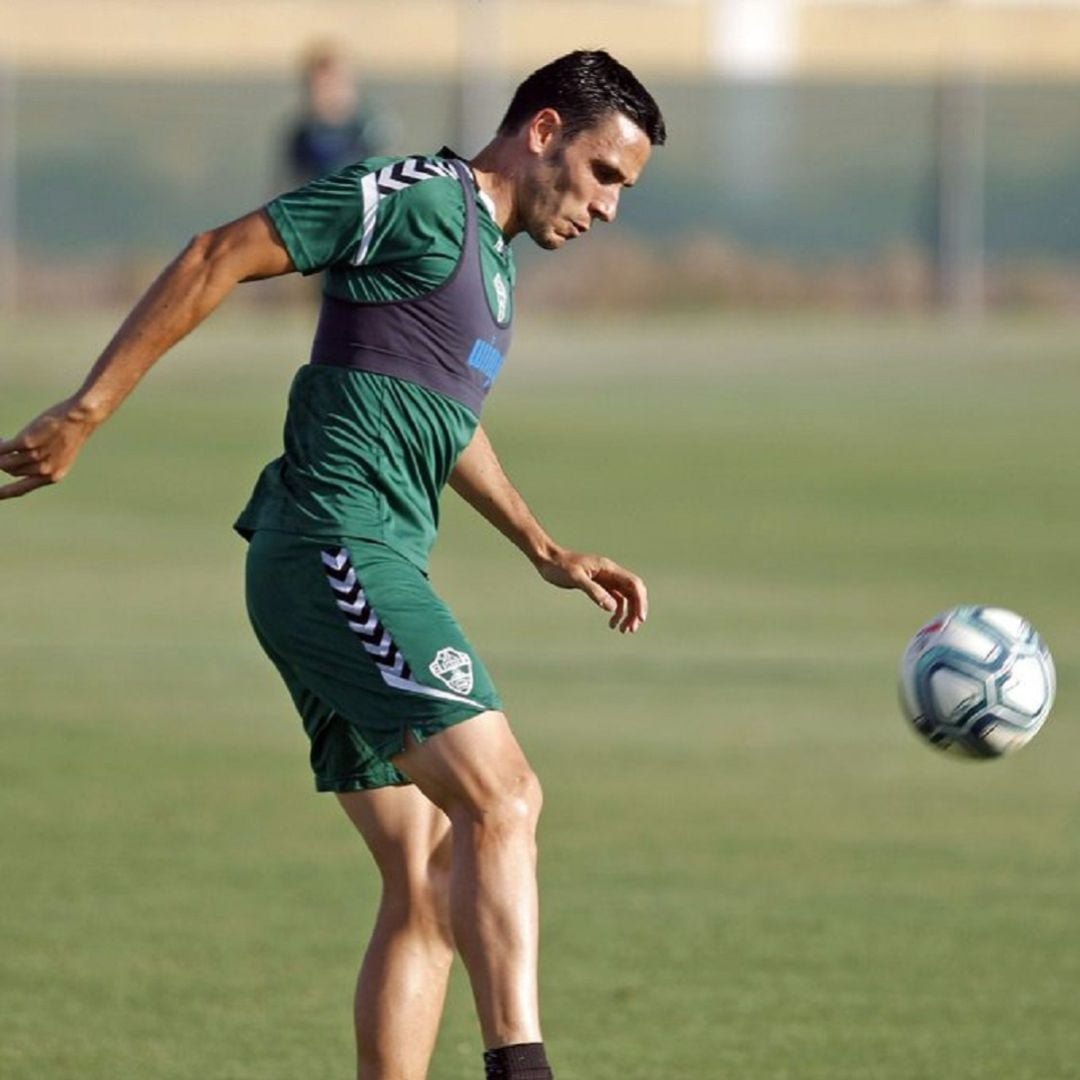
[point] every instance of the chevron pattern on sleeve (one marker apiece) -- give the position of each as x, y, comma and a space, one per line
388, 180
364, 622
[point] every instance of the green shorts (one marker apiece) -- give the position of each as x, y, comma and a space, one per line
367, 650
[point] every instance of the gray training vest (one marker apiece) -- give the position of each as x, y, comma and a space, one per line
448, 341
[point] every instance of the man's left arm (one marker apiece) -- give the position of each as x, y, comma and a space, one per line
480, 480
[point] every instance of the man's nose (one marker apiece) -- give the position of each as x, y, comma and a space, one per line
605, 206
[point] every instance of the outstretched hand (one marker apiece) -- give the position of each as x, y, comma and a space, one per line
609, 585
43, 452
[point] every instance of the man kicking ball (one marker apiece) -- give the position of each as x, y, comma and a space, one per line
405, 725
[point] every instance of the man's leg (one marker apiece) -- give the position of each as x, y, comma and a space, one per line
402, 983
476, 773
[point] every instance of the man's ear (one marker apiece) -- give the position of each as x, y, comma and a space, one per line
544, 129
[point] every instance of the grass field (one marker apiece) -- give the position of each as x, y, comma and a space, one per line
751, 871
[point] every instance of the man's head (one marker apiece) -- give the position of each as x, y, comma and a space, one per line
585, 88
583, 128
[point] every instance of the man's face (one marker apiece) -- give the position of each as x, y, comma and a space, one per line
573, 183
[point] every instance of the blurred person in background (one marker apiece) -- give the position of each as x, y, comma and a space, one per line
335, 127
406, 727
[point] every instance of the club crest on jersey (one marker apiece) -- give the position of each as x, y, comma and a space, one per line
453, 668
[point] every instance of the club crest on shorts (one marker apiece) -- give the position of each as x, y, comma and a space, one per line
453, 668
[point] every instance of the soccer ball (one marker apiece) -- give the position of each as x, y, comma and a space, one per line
977, 681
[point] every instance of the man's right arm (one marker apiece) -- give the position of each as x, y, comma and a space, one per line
185, 293
478, 477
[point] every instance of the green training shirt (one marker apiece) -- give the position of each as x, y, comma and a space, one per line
367, 455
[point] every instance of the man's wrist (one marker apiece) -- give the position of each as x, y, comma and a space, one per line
87, 409
542, 551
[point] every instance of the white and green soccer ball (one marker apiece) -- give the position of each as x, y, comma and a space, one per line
977, 681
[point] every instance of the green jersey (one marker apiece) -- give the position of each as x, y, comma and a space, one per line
374, 423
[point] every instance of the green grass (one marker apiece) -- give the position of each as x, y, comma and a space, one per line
750, 869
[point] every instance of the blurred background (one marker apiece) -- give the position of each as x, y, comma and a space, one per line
823, 152
817, 383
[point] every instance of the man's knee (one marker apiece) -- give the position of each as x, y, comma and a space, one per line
415, 880
477, 774
508, 803
416, 898
437, 885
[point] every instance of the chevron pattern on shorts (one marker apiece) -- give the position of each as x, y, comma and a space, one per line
388, 180
361, 616
364, 622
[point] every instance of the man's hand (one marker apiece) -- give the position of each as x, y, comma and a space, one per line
43, 452
609, 585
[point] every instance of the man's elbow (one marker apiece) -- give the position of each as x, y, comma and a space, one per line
205, 247
243, 250
210, 255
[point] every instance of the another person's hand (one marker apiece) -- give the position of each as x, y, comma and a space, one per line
44, 451
609, 585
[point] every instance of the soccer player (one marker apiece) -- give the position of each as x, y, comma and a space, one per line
405, 725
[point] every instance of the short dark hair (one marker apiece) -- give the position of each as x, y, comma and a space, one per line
585, 87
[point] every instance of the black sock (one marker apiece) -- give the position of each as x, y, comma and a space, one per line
525, 1061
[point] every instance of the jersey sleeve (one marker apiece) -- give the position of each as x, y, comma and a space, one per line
422, 222
322, 221
409, 238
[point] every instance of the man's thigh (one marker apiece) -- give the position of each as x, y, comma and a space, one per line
372, 656
474, 766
